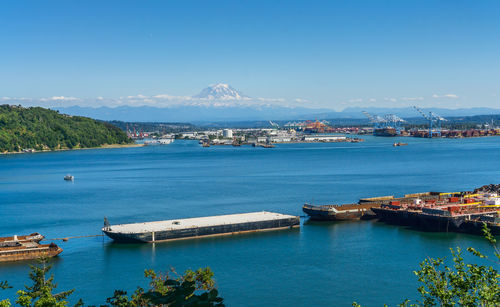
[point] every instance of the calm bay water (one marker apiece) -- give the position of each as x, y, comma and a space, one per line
319, 264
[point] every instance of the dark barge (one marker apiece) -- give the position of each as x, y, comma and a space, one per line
440, 220
339, 212
464, 211
457, 212
170, 230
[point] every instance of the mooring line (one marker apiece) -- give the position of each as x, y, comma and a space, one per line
75, 237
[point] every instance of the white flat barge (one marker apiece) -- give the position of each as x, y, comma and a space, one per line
200, 227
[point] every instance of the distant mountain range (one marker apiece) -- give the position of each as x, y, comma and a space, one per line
406, 112
192, 114
221, 102
197, 114
218, 102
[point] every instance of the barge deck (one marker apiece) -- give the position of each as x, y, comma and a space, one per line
200, 227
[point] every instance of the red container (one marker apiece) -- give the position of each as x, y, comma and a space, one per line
453, 199
394, 202
469, 200
453, 208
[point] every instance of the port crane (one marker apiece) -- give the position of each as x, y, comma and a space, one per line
394, 121
434, 121
388, 121
377, 121
274, 125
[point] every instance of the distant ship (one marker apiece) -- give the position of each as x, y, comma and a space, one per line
163, 141
386, 131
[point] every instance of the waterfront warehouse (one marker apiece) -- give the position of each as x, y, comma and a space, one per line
200, 227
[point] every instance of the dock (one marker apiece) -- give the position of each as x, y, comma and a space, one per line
181, 229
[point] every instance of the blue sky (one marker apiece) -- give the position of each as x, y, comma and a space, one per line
332, 54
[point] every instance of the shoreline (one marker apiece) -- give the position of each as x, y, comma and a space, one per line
106, 146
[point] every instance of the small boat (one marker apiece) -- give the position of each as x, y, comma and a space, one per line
399, 144
69, 177
162, 141
165, 141
267, 145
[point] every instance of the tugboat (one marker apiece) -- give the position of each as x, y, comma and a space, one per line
267, 145
69, 177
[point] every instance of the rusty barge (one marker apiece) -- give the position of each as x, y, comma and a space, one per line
430, 211
181, 229
17, 248
362, 210
457, 212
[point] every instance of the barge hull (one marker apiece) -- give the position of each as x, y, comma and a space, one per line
29, 254
428, 222
190, 232
339, 213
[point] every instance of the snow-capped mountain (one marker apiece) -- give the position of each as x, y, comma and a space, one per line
218, 102
220, 91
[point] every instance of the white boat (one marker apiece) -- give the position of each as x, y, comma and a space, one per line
164, 141
69, 177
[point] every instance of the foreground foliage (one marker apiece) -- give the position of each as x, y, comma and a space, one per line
43, 129
191, 289
462, 284
194, 288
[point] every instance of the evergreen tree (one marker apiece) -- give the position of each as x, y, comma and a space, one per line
43, 129
40, 293
462, 284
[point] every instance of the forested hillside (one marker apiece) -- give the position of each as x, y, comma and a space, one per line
43, 129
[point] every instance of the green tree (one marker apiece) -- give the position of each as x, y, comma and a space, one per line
194, 288
461, 284
39, 128
4, 285
39, 294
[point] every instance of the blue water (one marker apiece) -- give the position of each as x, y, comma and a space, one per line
319, 264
